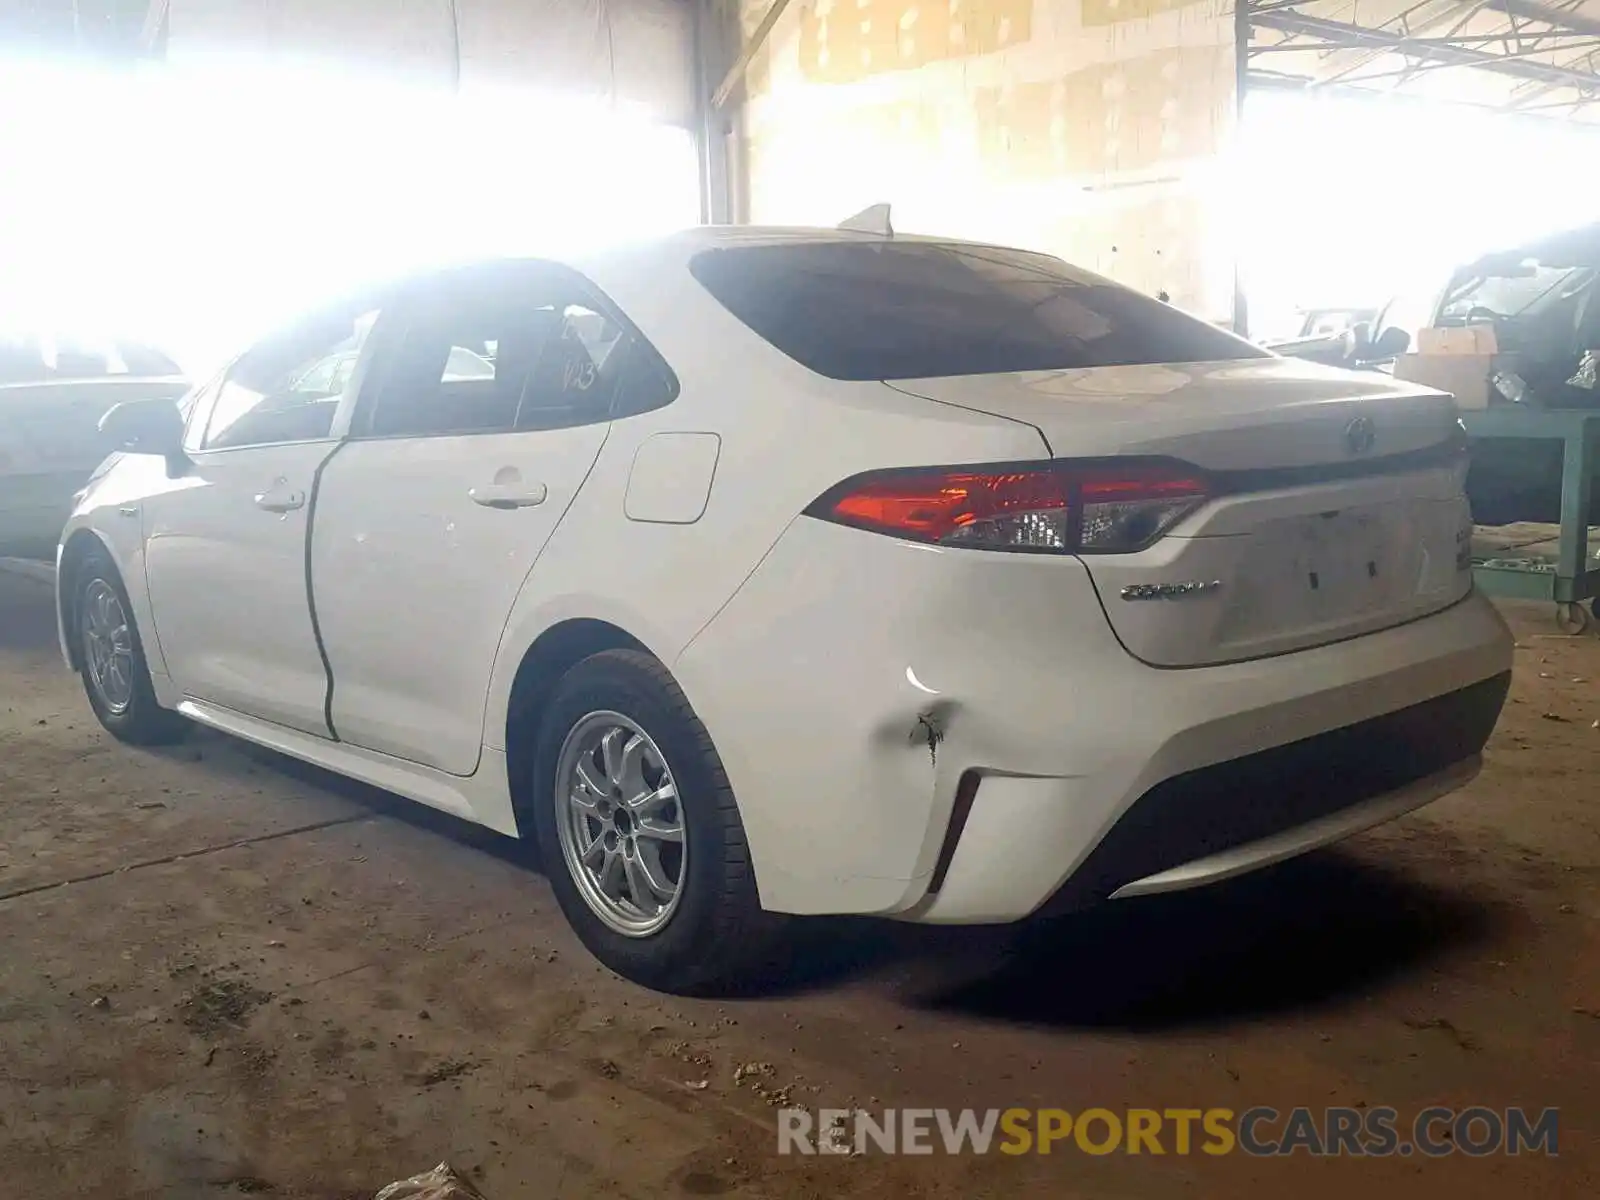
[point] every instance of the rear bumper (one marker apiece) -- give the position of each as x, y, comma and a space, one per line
1211, 823
1059, 767
1218, 821
1297, 839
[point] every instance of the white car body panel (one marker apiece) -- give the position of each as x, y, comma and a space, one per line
678, 576
112, 512
1043, 695
850, 681
671, 479
1403, 531
228, 587
1254, 855
414, 578
1263, 412
484, 798
1411, 527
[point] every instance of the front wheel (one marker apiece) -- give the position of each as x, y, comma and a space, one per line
641, 835
115, 675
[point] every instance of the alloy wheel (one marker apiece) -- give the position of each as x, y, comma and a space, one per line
108, 647
621, 826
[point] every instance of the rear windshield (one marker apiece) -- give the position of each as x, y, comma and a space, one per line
908, 310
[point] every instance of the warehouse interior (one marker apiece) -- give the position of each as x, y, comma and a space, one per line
224, 972
1138, 140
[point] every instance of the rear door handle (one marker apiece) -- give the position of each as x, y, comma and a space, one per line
275, 501
509, 495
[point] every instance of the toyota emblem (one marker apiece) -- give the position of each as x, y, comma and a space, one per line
1360, 436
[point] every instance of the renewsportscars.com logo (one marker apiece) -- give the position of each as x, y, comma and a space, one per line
1262, 1132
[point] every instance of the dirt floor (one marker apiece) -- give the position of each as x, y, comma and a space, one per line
222, 973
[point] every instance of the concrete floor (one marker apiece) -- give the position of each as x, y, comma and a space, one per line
222, 973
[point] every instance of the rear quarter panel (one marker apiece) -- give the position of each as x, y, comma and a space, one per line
786, 436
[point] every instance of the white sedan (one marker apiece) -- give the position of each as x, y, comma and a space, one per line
787, 571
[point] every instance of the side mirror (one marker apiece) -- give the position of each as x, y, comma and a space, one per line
147, 427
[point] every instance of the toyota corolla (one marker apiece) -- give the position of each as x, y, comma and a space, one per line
757, 572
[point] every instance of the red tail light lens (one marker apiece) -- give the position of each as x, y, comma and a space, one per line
1066, 507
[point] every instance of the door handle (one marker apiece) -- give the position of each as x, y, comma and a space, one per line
281, 502
509, 495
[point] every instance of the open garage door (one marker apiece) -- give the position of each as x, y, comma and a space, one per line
269, 152
190, 173
637, 51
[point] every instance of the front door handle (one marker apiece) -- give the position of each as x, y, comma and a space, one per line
275, 501
509, 495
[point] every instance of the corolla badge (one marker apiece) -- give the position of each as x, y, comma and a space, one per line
1170, 591
1360, 436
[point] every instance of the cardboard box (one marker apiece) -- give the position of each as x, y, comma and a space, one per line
1464, 339
1464, 376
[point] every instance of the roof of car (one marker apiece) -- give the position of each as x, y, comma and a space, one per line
728, 235
676, 249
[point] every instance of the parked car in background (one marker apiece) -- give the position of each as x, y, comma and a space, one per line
52, 395
1543, 301
1540, 299
1325, 322
788, 571
1353, 348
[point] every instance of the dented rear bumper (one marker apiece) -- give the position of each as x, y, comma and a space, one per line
884, 688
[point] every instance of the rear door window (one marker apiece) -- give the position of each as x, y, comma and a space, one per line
512, 348
490, 353
910, 310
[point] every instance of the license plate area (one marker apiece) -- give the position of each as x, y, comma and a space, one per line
1345, 561
1313, 571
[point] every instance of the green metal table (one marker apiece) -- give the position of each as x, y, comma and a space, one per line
1576, 577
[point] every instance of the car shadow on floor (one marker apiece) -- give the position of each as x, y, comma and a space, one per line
1299, 935
230, 755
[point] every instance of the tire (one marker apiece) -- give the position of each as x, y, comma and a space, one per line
126, 703
711, 937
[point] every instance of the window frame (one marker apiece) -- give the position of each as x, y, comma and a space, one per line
573, 288
194, 426
197, 434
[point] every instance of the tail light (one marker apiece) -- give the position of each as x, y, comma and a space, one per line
1066, 507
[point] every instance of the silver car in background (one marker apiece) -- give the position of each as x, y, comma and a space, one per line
53, 392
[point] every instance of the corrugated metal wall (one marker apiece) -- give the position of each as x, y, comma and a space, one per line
1090, 128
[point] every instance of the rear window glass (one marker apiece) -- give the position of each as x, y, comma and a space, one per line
856, 310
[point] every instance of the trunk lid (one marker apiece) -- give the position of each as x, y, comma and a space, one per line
1225, 416
1338, 506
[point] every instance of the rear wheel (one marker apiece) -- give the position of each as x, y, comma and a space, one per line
640, 831
115, 675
